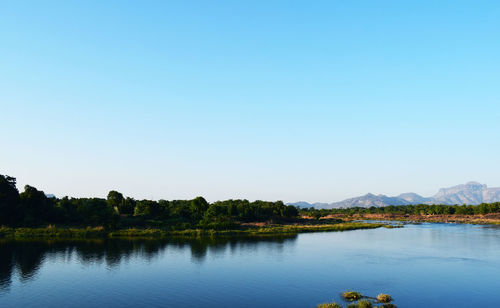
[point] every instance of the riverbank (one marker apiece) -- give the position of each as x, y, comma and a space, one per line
487, 219
100, 232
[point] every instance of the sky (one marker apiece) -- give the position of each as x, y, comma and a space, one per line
272, 100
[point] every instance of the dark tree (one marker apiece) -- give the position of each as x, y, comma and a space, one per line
9, 200
35, 206
115, 200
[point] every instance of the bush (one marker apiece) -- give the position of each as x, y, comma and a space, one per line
364, 304
351, 295
329, 305
384, 298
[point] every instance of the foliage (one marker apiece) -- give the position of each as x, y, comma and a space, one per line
359, 301
35, 207
329, 305
182, 231
420, 209
364, 304
9, 200
384, 298
351, 295
53, 232
32, 208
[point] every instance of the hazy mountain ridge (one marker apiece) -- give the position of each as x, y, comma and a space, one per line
469, 193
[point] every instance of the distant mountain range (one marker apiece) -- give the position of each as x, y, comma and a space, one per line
469, 193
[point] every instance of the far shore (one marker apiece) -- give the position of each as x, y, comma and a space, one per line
486, 219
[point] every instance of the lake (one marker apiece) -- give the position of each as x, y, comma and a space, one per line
427, 265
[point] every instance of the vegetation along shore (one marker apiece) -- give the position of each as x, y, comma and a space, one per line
32, 214
485, 213
100, 232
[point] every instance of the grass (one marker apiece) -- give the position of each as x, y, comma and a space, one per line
53, 232
384, 298
351, 295
100, 232
329, 305
293, 229
364, 304
137, 233
357, 300
394, 226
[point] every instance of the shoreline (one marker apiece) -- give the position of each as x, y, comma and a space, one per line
99, 232
488, 219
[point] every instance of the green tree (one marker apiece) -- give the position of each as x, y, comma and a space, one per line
9, 200
35, 206
95, 212
115, 200
197, 207
127, 206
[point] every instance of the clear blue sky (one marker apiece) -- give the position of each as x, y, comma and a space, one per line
289, 100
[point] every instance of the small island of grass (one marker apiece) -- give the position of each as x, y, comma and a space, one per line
351, 295
357, 300
384, 298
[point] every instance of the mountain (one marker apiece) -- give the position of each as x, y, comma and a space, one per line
304, 204
414, 198
469, 193
369, 200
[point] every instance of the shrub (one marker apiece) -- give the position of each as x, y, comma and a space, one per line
384, 298
329, 305
351, 295
364, 304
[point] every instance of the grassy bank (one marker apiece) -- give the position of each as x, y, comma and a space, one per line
53, 232
99, 232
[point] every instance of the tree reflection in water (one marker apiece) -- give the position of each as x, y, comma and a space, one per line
25, 257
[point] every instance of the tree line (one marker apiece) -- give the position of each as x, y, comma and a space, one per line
419, 209
33, 208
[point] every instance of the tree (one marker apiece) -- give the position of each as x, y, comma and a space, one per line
146, 208
9, 200
127, 206
197, 207
95, 212
115, 200
35, 206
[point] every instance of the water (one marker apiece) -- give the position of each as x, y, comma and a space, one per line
428, 265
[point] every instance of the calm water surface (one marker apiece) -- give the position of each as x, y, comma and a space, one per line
428, 265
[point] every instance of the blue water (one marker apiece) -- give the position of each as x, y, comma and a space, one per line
428, 265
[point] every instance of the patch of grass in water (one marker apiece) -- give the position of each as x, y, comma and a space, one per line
357, 300
384, 298
352, 295
394, 226
329, 305
364, 304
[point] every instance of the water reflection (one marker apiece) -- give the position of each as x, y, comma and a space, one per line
25, 257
